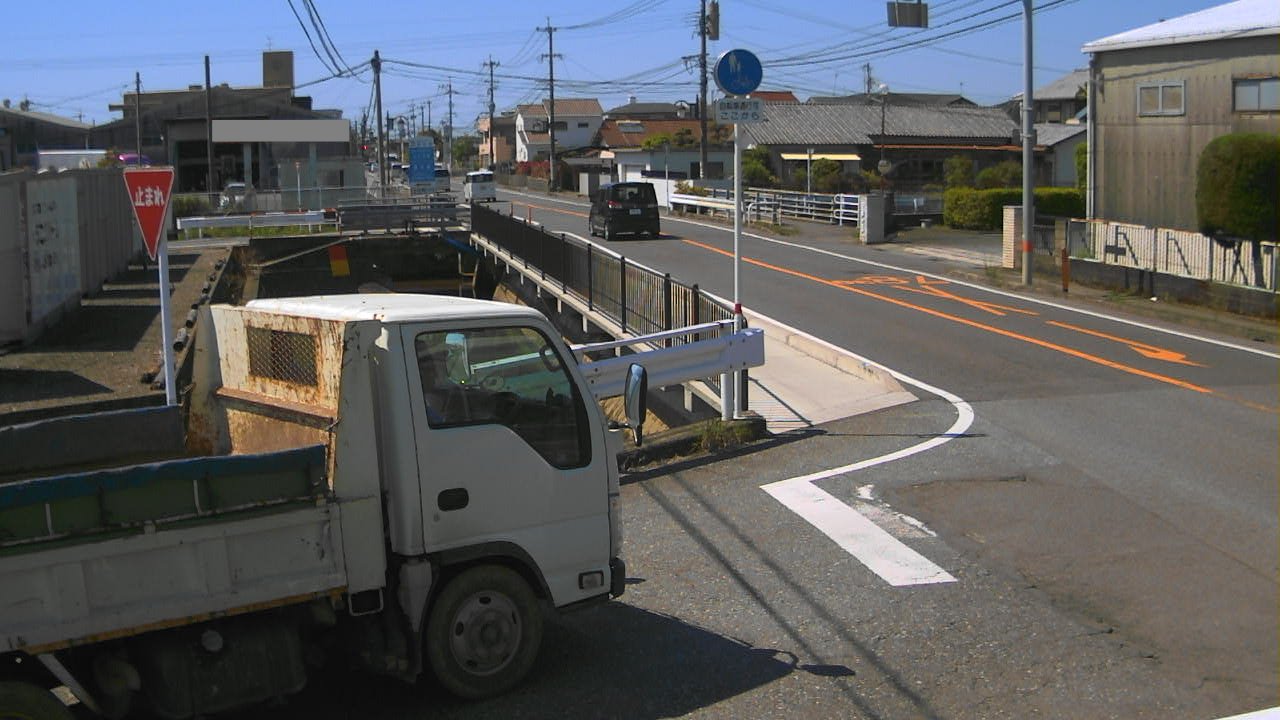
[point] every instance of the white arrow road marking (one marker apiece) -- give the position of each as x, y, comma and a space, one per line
882, 553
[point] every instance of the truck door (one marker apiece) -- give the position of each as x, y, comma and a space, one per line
510, 456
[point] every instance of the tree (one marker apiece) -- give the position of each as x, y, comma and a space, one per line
465, 148
757, 167
828, 176
1006, 174
1237, 183
1082, 166
957, 171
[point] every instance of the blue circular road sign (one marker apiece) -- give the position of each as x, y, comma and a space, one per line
738, 72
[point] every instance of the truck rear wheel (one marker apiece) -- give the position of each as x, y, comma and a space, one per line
24, 701
483, 632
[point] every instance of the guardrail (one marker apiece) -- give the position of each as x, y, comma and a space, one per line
840, 209
398, 214
638, 299
259, 220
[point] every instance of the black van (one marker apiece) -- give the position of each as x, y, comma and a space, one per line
625, 207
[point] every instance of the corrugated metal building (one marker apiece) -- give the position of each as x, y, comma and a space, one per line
1162, 92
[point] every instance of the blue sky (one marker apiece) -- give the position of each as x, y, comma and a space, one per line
74, 58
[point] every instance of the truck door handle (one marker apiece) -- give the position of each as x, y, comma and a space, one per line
452, 499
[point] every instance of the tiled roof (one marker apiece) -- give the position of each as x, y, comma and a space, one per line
774, 95
1243, 18
1065, 87
643, 108
612, 135
45, 118
806, 124
894, 98
1050, 134
576, 106
531, 111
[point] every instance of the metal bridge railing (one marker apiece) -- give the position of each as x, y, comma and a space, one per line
639, 299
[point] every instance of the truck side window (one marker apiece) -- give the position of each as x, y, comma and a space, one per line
509, 376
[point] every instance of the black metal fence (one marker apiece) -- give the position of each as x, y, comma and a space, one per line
639, 299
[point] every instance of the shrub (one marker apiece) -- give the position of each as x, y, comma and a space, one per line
1237, 183
970, 209
190, 206
1007, 174
957, 171
1058, 201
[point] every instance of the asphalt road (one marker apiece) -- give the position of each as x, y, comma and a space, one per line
1125, 472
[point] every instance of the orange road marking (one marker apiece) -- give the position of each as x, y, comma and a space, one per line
552, 209
1143, 349
972, 323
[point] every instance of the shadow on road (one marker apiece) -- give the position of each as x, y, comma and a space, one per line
612, 660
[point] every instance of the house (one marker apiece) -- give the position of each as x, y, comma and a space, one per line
1061, 101
576, 122
916, 139
623, 142
502, 137
24, 131
533, 140
633, 110
1057, 144
175, 132
1160, 93
899, 99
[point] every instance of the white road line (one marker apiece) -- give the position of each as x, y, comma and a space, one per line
882, 553
1267, 714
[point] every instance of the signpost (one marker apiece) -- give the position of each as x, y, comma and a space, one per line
149, 193
737, 72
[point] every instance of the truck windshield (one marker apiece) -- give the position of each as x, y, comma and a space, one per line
505, 376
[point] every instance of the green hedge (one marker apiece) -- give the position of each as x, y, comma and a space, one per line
970, 209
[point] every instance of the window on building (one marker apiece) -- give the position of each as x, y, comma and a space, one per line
560, 125
1161, 98
583, 125
1256, 94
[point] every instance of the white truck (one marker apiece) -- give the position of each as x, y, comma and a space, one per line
408, 478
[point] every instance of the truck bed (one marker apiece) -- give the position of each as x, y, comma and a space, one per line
93, 555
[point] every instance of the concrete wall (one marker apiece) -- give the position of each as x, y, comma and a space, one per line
1146, 166
61, 236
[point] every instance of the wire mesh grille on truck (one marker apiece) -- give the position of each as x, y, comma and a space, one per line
280, 355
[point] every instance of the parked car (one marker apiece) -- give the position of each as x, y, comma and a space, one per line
625, 207
232, 198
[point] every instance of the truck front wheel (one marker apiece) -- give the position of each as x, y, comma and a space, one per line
24, 701
483, 632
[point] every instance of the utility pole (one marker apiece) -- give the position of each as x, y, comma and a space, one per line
866, 78
208, 126
493, 162
137, 117
448, 130
1028, 147
551, 112
702, 92
376, 64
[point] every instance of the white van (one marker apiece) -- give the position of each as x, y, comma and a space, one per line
478, 187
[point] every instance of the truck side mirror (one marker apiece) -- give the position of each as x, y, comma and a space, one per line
634, 395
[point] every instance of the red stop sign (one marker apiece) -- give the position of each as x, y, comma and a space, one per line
149, 189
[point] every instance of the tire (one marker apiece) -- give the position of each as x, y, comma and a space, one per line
591, 229
483, 632
24, 701
606, 234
